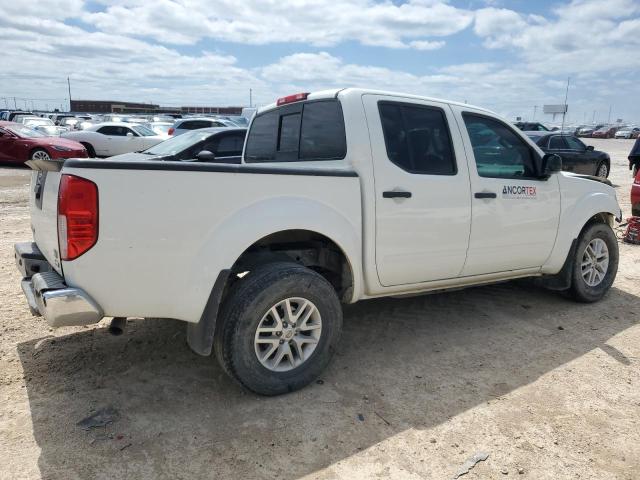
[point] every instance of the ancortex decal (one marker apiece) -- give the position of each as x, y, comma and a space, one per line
519, 191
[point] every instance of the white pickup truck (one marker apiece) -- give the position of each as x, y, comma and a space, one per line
341, 196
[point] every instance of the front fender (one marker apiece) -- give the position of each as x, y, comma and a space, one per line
576, 212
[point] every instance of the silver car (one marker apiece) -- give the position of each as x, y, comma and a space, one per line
195, 123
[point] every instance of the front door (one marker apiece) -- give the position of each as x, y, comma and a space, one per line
422, 196
515, 212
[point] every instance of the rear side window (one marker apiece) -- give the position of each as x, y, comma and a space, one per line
557, 143
116, 131
298, 132
417, 138
194, 124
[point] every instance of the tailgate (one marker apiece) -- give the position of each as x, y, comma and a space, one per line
43, 206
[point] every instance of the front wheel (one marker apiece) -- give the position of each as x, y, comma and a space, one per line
40, 154
595, 263
603, 170
278, 328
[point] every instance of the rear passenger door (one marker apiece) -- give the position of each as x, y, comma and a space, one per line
422, 192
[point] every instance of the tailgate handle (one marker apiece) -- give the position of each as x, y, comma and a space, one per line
396, 194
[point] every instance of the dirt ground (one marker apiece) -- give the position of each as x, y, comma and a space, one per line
549, 389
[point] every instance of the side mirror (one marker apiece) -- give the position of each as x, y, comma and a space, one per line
551, 163
590, 148
205, 156
129, 134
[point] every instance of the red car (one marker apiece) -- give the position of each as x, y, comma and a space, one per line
19, 144
605, 132
635, 196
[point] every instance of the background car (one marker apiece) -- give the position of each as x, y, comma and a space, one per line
43, 125
222, 145
186, 124
628, 132
114, 138
531, 126
161, 128
19, 143
576, 156
588, 130
605, 132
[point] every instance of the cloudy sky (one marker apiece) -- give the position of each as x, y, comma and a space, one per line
506, 55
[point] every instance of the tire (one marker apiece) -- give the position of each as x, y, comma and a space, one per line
248, 307
90, 150
39, 154
580, 289
603, 170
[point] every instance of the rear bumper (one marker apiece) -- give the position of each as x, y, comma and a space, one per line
48, 295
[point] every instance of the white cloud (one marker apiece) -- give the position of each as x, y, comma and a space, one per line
315, 22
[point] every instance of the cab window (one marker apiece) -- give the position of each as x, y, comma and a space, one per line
499, 152
417, 138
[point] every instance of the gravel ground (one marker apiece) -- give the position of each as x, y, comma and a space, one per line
546, 387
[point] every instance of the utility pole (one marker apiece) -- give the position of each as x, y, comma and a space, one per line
609, 117
15, 105
593, 119
535, 109
69, 85
566, 95
250, 98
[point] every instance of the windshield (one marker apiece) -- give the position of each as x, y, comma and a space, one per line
161, 129
178, 144
26, 132
143, 131
38, 121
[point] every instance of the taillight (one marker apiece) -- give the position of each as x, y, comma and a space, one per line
171, 131
77, 216
296, 97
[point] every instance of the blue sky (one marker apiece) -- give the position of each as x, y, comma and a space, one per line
509, 56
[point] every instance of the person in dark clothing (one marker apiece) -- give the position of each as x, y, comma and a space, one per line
634, 157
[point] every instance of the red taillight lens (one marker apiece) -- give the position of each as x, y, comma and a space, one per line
171, 130
77, 216
296, 97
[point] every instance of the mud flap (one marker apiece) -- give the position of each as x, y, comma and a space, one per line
562, 279
200, 335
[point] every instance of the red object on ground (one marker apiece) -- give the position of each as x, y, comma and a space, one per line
632, 233
635, 195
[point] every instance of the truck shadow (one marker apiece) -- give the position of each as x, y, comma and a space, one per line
403, 363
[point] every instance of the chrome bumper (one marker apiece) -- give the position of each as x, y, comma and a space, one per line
48, 295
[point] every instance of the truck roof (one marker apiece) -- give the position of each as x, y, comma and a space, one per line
343, 92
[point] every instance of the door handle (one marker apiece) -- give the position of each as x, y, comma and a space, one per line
396, 194
485, 195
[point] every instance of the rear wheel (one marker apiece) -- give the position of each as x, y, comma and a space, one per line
603, 170
278, 328
40, 154
595, 263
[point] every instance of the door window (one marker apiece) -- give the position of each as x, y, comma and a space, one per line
498, 150
115, 131
575, 144
194, 124
417, 138
558, 143
225, 146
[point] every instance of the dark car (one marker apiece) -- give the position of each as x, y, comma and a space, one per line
531, 127
219, 144
576, 156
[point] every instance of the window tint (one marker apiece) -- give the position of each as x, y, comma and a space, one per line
194, 124
498, 151
304, 131
322, 136
557, 143
289, 133
261, 144
114, 131
417, 139
575, 144
226, 146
